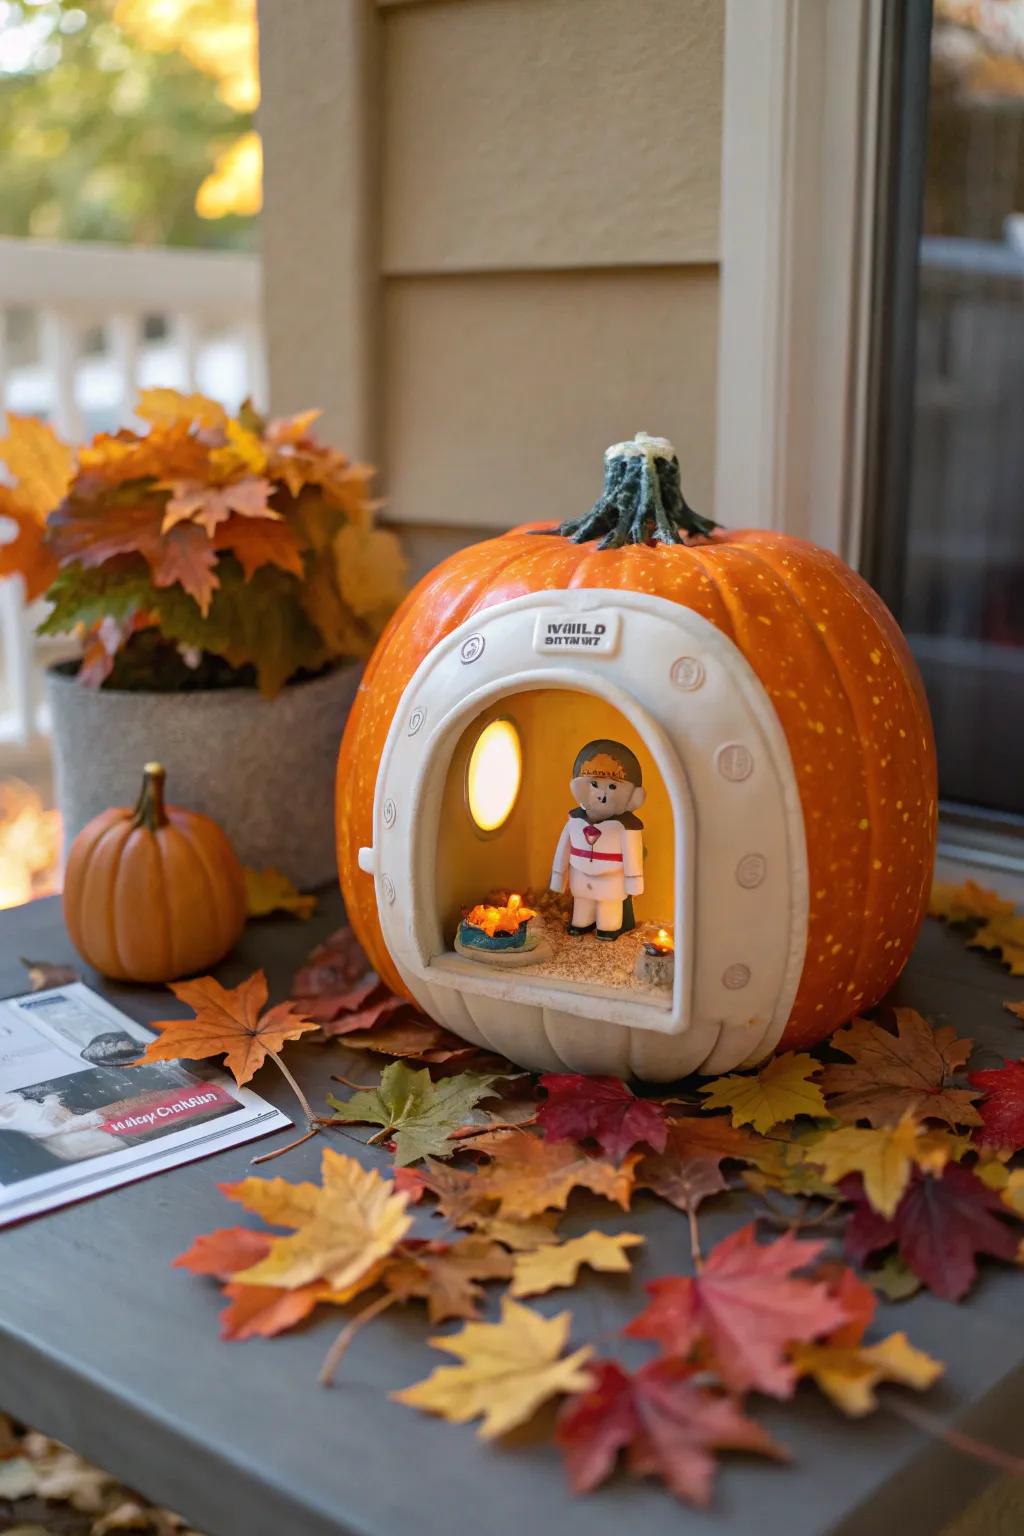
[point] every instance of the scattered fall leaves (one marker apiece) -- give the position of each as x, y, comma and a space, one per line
554, 1265
913, 1069
744, 1309
527, 1176
419, 1113
268, 890
667, 1424
228, 1022
883, 1156
1002, 1108
941, 1223
603, 1109
495, 1165
508, 1369
48, 973
343, 1230
991, 921
778, 1092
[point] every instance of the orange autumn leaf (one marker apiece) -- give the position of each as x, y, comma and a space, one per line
342, 1233
261, 1311
41, 466
26, 555
253, 1311
211, 505
228, 1022
258, 541
165, 453
526, 1175
39, 462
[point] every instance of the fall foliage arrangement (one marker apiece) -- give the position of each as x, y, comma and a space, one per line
877, 1165
207, 550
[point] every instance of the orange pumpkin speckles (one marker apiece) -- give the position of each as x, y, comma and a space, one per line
844, 687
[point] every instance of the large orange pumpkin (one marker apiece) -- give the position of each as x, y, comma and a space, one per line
153, 892
826, 650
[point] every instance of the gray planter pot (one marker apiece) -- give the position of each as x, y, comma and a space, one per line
262, 768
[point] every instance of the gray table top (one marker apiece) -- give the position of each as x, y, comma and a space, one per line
106, 1347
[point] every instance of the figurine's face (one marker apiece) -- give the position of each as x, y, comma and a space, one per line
601, 796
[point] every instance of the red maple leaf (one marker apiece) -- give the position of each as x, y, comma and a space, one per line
745, 1307
336, 979
224, 1252
1002, 1109
668, 1426
940, 1225
602, 1108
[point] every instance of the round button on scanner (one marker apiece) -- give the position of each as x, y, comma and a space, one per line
751, 870
734, 761
471, 649
687, 673
390, 812
736, 976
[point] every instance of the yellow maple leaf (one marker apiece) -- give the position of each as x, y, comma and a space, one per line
267, 890
849, 1376
371, 570
546, 1268
966, 902
1009, 1182
343, 1237
1005, 934
277, 1201
508, 1370
242, 451
41, 464
780, 1091
884, 1157
26, 555
168, 407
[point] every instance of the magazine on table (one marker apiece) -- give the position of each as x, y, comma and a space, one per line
76, 1119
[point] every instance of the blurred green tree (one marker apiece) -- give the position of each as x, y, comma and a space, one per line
129, 121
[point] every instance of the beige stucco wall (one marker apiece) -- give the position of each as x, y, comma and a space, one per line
491, 239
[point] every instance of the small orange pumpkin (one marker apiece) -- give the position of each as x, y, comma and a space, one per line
154, 892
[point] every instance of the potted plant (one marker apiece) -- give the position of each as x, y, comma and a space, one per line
225, 579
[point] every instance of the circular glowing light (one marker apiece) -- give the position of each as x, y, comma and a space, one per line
494, 775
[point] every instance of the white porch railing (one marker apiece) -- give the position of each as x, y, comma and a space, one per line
82, 329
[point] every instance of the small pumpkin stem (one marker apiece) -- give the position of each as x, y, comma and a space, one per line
150, 811
642, 501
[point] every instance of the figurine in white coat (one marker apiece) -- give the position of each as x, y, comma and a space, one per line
601, 848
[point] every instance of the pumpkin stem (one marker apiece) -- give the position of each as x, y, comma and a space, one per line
642, 501
149, 808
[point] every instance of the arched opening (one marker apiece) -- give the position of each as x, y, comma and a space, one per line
498, 839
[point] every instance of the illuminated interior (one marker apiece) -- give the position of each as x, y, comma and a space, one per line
494, 775
507, 796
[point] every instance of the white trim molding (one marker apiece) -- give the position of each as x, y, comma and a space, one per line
799, 146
